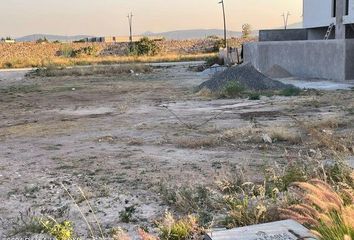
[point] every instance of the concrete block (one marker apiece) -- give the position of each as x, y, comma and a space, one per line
282, 230
283, 35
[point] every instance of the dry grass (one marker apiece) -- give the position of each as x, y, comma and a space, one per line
332, 122
283, 134
89, 71
254, 135
324, 210
198, 142
323, 135
205, 93
98, 60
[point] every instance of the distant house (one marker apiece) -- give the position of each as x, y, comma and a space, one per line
8, 40
119, 39
323, 49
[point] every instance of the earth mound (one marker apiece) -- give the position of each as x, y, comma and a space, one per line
278, 72
247, 76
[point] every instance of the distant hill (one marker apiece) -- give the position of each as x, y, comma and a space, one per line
35, 37
175, 35
194, 34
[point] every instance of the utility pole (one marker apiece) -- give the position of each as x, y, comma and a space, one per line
224, 16
130, 18
285, 19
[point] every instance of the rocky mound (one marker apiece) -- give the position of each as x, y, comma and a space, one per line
278, 72
246, 75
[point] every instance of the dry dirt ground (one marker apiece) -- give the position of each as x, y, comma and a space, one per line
114, 137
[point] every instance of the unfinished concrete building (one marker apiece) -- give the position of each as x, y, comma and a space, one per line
323, 49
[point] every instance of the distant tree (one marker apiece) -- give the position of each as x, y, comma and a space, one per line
246, 30
42, 40
213, 37
218, 43
144, 47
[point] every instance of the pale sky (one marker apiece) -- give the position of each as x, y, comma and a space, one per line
108, 17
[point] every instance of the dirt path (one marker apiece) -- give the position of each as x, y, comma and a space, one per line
113, 137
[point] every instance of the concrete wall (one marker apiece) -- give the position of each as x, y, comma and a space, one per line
282, 35
319, 33
349, 59
350, 17
308, 59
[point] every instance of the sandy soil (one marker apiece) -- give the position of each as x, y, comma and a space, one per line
113, 137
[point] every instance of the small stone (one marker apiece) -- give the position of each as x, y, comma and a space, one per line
266, 138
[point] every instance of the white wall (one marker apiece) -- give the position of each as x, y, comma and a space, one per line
318, 13
350, 17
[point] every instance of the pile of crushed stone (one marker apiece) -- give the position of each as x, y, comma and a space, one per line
277, 71
247, 76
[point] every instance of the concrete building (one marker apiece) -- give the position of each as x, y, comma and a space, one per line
323, 49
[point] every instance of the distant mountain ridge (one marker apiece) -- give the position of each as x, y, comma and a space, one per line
193, 34
35, 37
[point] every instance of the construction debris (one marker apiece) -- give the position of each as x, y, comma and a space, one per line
247, 76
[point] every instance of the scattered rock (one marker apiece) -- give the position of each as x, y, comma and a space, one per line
266, 138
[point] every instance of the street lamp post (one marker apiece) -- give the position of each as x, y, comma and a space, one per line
224, 16
130, 18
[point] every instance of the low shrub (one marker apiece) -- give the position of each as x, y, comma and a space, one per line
144, 47
254, 96
218, 44
60, 231
233, 89
127, 214
70, 52
291, 91
181, 229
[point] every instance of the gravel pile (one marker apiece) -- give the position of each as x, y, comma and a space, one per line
278, 72
246, 75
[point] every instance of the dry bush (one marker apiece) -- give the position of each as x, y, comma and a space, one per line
206, 93
323, 135
244, 134
254, 135
326, 123
181, 229
323, 209
284, 134
119, 234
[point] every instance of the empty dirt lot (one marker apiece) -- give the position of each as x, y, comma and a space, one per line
121, 137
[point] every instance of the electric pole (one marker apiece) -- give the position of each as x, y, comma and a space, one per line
130, 18
285, 19
224, 16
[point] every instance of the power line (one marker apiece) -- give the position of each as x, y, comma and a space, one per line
130, 19
285, 19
